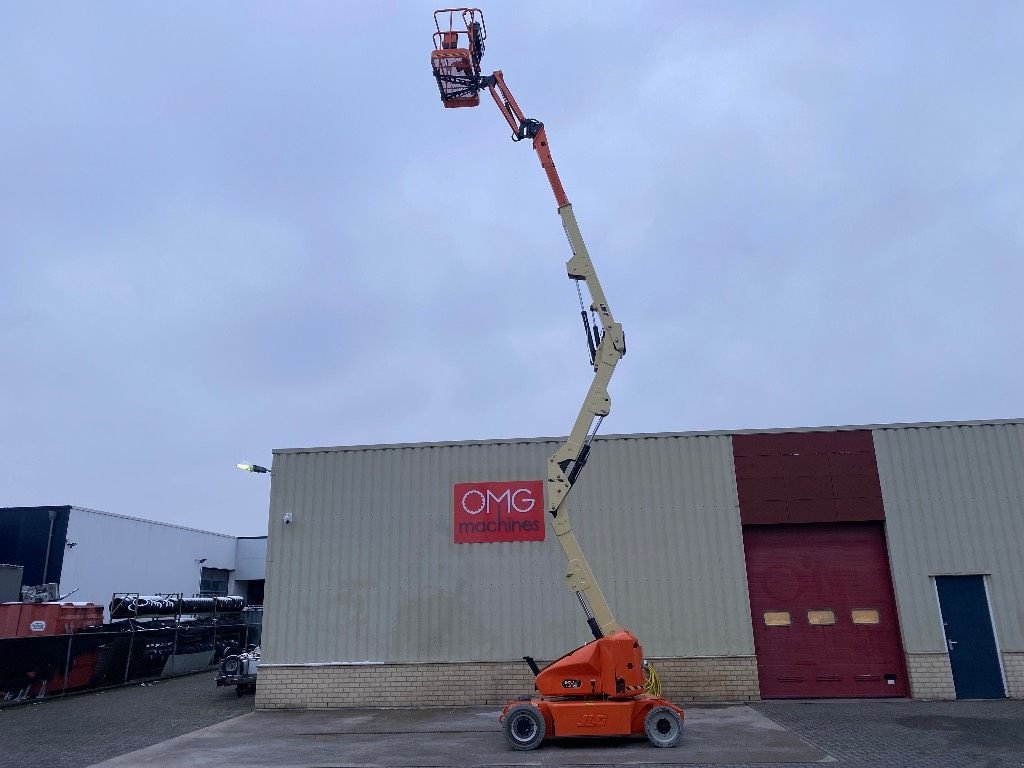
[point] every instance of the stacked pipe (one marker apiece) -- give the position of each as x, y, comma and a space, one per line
133, 606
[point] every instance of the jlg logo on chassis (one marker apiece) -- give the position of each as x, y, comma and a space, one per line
592, 721
494, 512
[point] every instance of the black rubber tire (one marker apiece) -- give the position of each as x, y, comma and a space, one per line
663, 727
524, 727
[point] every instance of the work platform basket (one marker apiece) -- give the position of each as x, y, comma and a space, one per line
458, 49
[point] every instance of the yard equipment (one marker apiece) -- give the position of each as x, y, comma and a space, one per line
598, 689
239, 670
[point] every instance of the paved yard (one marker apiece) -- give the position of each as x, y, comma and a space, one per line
909, 734
459, 736
191, 722
80, 730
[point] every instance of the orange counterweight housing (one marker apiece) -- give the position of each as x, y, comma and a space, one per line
611, 666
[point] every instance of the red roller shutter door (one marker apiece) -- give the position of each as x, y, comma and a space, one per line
823, 612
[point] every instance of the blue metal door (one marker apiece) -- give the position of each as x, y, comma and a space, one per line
969, 638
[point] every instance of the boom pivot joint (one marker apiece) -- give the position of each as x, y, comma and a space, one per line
528, 129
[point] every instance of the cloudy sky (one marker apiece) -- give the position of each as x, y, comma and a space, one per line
232, 227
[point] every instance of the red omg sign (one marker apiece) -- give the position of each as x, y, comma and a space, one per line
486, 512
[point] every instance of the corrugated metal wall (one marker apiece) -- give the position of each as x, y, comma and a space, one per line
367, 570
954, 500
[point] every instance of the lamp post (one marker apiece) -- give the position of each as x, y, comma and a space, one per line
253, 468
49, 541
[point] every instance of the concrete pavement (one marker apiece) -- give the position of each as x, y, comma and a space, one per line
168, 724
375, 738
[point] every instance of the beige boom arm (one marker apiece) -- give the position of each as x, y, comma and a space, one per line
607, 346
573, 453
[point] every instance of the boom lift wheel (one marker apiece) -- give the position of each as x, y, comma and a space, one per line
663, 727
524, 727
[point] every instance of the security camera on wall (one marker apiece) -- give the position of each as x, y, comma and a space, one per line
287, 518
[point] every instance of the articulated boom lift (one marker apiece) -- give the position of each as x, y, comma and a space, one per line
598, 689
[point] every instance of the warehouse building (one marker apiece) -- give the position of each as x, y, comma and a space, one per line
90, 555
880, 560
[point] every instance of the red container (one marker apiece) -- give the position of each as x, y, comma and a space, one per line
39, 620
47, 619
75, 616
10, 613
83, 669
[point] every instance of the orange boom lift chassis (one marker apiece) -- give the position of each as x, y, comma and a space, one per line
600, 688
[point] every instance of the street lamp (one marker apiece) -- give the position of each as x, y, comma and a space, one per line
253, 468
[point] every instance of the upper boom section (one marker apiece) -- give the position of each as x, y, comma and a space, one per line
458, 51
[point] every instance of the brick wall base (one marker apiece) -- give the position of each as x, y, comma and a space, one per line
930, 676
1013, 665
710, 678
720, 678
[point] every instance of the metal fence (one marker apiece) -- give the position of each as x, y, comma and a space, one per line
118, 653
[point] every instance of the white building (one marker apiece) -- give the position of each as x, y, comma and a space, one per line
93, 554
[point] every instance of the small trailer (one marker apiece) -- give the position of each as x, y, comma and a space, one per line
239, 670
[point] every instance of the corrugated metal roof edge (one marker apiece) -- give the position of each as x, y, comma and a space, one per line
643, 435
156, 522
